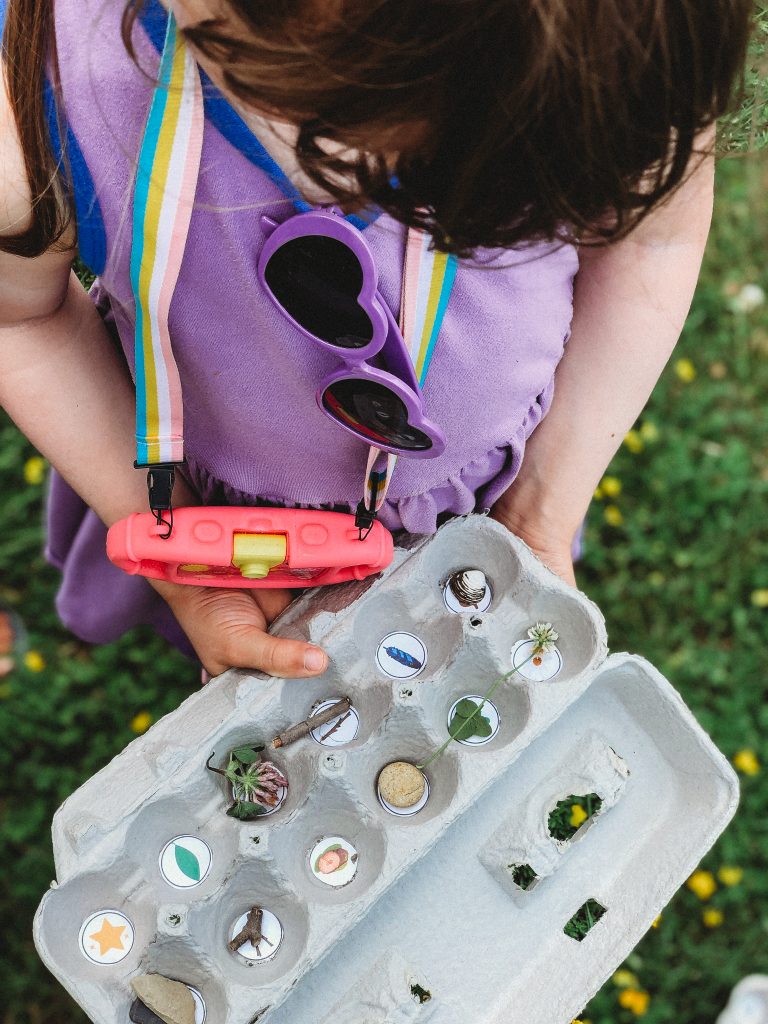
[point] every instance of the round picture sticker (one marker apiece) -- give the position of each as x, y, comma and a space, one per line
401, 655
402, 788
200, 1009
457, 596
266, 810
185, 862
333, 861
471, 727
338, 731
267, 946
538, 668
106, 937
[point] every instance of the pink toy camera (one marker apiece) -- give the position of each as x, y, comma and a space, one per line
249, 547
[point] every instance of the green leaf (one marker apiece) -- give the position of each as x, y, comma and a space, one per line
247, 755
465, 708
244, 811
465, 728
187, 862
482, 726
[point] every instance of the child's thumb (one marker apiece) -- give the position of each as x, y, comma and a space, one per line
276, 656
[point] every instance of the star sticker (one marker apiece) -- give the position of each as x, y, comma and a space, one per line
109, 937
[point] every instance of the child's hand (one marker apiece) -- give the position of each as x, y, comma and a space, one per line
555, 554
228, 629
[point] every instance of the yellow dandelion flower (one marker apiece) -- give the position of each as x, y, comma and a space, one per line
624, 978
759, 597
746, 762
578, 815
141, 722
656, 921
702, 884
598, 495
649, 431
635, 1000
612, 515
34, 470
730, 875
685, 370
34, 661
634, 442
611, 486
712, 917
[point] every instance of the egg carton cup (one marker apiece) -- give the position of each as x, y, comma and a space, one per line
111, 835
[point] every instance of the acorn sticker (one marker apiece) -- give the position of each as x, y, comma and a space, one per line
333, 861
401, 655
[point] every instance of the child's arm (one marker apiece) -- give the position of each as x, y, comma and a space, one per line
631, 301
67, 389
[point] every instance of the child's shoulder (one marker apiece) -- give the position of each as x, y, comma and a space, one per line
29, 287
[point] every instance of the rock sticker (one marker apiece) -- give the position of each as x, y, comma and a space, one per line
333, 861
106, 937
401, 655
185, 862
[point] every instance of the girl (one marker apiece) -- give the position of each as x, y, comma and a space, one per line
521, 134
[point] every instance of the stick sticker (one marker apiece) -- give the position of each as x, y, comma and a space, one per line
270, 939
401, 655
339, 730
106, 937
185, 862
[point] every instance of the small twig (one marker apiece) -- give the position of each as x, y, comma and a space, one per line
295, 732
250, 932
218, 771
333, 728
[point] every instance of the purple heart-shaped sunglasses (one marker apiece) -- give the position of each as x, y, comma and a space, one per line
318, 270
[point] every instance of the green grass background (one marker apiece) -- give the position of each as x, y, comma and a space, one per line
675, 580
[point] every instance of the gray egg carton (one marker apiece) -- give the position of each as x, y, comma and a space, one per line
407, 957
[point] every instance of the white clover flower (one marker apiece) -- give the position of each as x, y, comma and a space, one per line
749, 298
544, 636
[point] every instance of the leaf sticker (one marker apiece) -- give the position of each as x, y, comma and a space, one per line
187, 862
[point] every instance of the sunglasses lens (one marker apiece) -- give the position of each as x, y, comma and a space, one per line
375, 413
317, 281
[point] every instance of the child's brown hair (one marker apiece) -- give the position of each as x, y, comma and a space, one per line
489, 122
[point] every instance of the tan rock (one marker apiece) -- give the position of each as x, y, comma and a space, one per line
401, 784
170, 1000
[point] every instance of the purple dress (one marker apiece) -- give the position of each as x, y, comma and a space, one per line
253, 431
